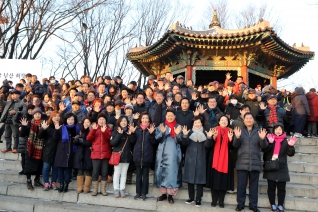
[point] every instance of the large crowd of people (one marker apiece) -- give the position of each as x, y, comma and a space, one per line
208, 135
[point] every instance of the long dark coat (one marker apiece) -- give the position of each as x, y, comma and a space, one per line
82, 157
283, 173
168, 172
49, 145
195, 160
216, 179
64, 153
117, 141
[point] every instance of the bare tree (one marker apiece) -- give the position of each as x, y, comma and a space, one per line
252, 14
223, 13
32, 23
98, 41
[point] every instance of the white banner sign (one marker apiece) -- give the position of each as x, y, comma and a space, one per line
14, 70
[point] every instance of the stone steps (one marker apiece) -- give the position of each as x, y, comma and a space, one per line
307, 149
19, 190
301, 157
41, 205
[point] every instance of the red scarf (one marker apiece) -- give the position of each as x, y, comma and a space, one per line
220, 154
278, 140
272, 115
171, 125
144, 126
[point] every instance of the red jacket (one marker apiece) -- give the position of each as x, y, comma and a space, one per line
100, 143
313, 106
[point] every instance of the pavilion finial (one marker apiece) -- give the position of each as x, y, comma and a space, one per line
215, 20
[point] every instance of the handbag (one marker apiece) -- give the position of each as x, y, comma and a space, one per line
271, 165
115, 157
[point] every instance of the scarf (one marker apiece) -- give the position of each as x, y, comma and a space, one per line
272, 115
278, 140
65, 135
212, 117
34, 144
197, 135
171, 125
158, 115
144, 126
220, 153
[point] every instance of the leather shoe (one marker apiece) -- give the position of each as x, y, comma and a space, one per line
170, 200
162, 197
14, 151
254, 209
6, 150
239, 208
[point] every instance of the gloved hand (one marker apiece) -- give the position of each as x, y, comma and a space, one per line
270, 138
292, 140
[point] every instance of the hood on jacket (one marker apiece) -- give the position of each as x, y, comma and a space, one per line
299, 91
311, 95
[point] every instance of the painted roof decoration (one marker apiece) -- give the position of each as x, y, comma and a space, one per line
261, 35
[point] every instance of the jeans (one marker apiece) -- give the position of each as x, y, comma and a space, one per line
46, 172
312, 128
142, 179
64, 174
281, 192
11, 130
253, 177
120, 171
100, 167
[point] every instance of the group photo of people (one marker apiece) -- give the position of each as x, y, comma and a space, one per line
221, 136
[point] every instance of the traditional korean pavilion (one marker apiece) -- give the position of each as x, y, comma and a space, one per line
256, 53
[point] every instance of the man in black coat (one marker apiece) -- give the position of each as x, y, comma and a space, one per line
36, 86
140, 105
157, 111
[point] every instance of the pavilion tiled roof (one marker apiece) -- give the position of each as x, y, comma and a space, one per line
217, 38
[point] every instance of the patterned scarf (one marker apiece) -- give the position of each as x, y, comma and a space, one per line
221, 150
197, 135
34, 144
272, 115
171, 125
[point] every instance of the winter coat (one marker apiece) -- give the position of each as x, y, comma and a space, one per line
239, 122
19, 107
207, 124
79, 114
37, 88
253, 105
118, 141
140, 108
149, 103
233, 110
152, 111
82, 157
143, 149
184, 118
249, 146
64, 156
300, 103
100, 143
312, 99
49, 145
195, 160
168, 168
283, 173
263, 116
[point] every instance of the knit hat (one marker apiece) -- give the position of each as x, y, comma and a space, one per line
36, 110
230, 83
129, 106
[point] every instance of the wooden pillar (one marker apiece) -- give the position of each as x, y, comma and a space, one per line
244, 74
188, 74
274, 81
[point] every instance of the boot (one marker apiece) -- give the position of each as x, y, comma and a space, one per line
61, 188
79, 181
103, 188
29, 184
87, 184
66, 187
95, 188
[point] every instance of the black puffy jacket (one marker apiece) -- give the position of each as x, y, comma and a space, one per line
49, 145
117, 141
143, 150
